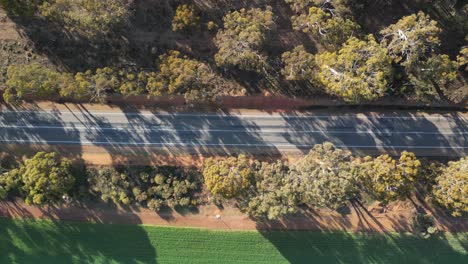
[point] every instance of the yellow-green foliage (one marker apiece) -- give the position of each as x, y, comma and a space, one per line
299, 65
437, 70
227, 177
43, 179
32, 79
185, 17
88, 17
244, 33
359, 71
388, 179
152, 187
462, 58
451, 189
331, 31
411, 38
177, 74
20, 7
324, 178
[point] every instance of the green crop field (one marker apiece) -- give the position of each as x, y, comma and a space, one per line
63, 242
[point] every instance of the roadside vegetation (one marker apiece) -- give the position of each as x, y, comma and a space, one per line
27, 241
350, 50
327, 177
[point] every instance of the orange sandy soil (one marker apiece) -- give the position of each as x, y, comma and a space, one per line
396, 217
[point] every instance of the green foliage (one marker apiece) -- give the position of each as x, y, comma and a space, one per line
228, 177
87, 17
299, 65
185, 17
332, 31
272, 195
177, 74
151, 187
411, 38
245, 32
32, 79
324, 177
462, 59
20, 7
42, 179
431, 75
387, 179
424, 225
451, 188
358, 72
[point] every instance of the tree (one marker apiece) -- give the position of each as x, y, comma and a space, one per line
152, 187
272, 195
185, 17
33, 79
132, 82
431, 76
411, 38
332, 31
387, 179
87, 17
110, 185
324, 177
20, 7
343, 8
245, 32
451, 188
462, 59
299, 5
299, 65
88, 85
44, 178
227, 177
359, 71
180, 75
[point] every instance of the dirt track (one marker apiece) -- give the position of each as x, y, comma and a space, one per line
395, 218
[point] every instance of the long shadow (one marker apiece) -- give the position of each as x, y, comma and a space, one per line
444, 134
342, 247
29, 241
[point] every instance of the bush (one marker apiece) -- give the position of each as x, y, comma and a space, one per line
228, 177
451, 188
147, 186
185, 17
45, 178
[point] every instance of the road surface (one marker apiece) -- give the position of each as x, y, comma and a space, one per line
426, 134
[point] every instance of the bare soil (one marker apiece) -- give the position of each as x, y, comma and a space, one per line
397, 217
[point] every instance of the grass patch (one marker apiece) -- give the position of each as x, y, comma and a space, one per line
27, 241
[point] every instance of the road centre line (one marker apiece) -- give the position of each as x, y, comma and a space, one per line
192, 144
233, 130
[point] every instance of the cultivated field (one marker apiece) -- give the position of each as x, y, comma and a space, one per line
53, 242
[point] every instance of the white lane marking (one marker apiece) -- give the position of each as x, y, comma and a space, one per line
224, 115
192, 144
136, 129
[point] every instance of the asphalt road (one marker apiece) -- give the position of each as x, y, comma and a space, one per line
426, 134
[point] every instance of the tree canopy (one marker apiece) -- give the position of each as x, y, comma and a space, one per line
324, 176
388, 179
272, 195
45, 178
228, 177
411, 38
359, 71
451, 188
331, 30
299, 65
239, 42
87, 17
